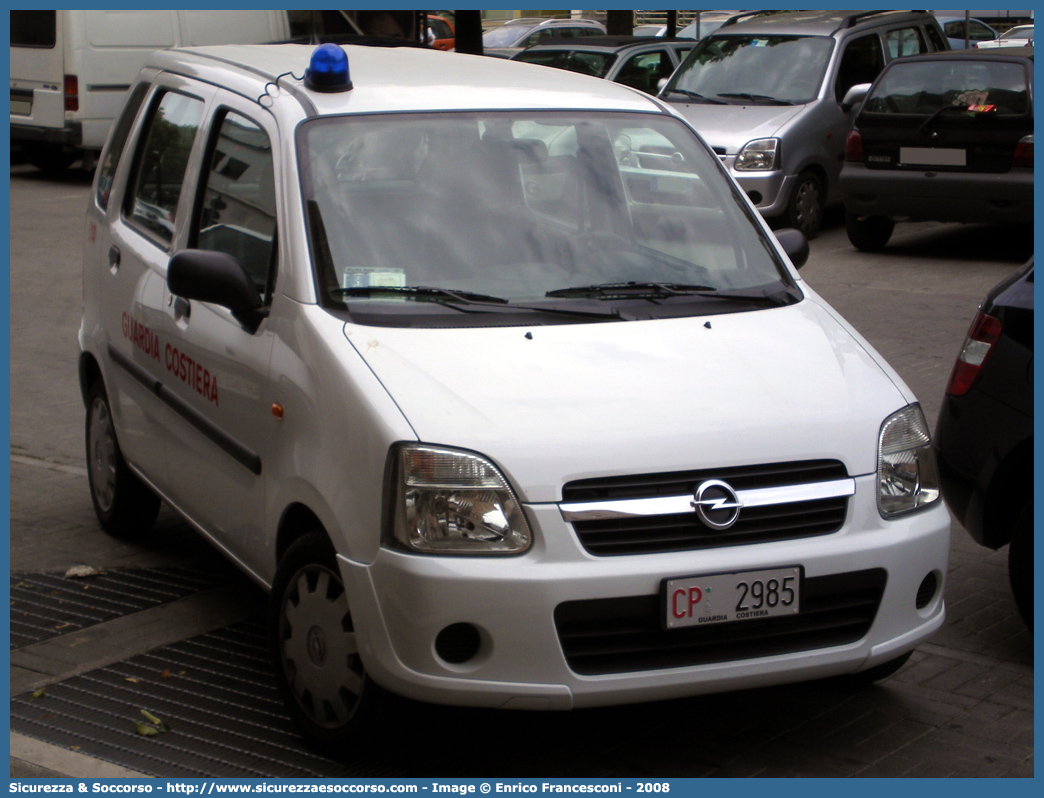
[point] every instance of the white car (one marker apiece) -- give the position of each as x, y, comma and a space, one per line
499, 385
1019, 36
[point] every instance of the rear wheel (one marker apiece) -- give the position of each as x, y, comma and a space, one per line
50, 159
318, 668
1020, 564
868, 233
125, 505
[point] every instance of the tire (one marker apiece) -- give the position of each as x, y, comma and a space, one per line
310, 629
1020, 564
50, 159
869, 234
807, 205
125, 506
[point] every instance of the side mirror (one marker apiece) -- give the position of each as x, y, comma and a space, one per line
216, 277
794, 244
854, 96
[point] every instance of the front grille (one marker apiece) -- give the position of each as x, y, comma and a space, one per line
622, 635
684, 532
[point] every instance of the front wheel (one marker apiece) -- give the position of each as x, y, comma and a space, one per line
868, 233
318, 668
807, 205
125, 505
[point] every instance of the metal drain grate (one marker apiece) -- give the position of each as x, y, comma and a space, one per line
45, 605
218, 696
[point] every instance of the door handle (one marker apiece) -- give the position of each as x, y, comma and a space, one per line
181, 307
114, 258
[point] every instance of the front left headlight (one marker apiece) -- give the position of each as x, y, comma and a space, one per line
907, 478
760, 155
446, 501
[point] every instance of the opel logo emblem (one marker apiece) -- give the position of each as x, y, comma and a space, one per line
717, 504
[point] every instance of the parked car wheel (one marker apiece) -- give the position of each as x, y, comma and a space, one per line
318, 668
50, 159
1020, 564
870, 234
125, 506
805, 210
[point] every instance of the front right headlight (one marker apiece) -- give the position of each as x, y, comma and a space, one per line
760, 155
447, 501
907, 478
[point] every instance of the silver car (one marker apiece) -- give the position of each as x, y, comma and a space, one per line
768, 93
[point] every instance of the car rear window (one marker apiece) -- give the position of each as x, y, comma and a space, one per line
925, 87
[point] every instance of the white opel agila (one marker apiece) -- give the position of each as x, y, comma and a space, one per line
495, 380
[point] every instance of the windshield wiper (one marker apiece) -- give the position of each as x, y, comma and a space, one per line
423, 294
758, 98
945, 109
470, 302
654, 291
700, 98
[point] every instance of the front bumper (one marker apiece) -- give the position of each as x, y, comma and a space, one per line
401, 602
922, 195
769, 191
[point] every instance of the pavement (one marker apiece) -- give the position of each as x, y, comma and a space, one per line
963, 706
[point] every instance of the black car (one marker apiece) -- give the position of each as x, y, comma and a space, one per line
984, 437
942, 137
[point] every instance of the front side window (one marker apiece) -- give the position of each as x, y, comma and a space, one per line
748, 68
237, 213
644, 71
861, 62
410, 215
162, 161
117, 141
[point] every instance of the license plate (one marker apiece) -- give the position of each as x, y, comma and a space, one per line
930, 156
724, 598
21, 106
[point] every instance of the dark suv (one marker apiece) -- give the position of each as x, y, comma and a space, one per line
984, 437
942, 137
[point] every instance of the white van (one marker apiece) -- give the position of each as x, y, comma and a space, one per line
70, 69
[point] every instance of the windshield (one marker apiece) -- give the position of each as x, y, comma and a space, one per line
981, 87
1020, 32
535, 209
734, 68
505, 35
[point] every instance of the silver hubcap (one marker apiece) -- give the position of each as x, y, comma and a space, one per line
320, 653
101, 449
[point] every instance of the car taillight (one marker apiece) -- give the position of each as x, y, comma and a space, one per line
72, 93
1024, 152
854, 147
982, 335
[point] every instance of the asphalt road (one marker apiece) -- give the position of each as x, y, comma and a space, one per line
963, 706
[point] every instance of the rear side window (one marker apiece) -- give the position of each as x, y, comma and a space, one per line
237, 213
34, 28
117, 141
162, 161
905, 41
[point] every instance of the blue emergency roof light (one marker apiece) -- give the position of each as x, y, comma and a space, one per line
328, 70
